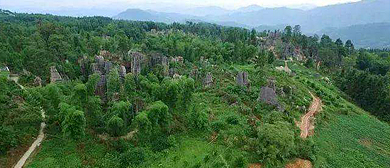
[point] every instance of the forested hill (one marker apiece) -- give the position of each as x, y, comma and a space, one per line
144, 94
375, 35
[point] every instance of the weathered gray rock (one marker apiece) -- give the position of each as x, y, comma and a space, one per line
107, 67
159, 59
172, 72
54, 75
208, 81
95, 68
136, 61
242, 79
271, 83
37, 81
99, 60
268, 95
101, 87
122, 71
178, 59
194, 74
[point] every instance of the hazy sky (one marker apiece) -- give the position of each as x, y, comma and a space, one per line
231, 4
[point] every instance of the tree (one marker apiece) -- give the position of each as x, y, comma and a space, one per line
123, 110
253, 37
159, 116
143, 125
92, 83
349, 46
115, 126
170, 90
339, 42
271, 57
297, 30
74, 124
113, 84
80, 96
187, 86
287, 33
275, 143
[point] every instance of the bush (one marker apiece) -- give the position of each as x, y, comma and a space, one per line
134, 156
159, 116
115, 126
232, 120
7, 139
199, 119
74, 124
218, 125
143, 124
275, 143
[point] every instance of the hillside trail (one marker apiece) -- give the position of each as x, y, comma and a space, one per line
307, 123
37, 142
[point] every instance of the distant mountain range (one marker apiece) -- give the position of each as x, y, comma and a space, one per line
339, 17
373, 35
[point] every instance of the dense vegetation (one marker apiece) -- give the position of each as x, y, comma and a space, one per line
152, 119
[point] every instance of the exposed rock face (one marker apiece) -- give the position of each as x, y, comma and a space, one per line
159, 59
37, 81
268, 95
271, 83
172, 72
194, 73
208, 81
136, 60
122, 71
107, 67
178, 59
242, 79
54, 75
101, 87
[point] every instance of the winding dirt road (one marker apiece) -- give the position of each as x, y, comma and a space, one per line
39, 139
307, 121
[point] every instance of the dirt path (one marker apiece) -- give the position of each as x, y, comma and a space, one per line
307, 123
37, 142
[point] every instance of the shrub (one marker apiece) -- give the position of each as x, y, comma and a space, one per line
115, 126
275, 143
74, 124
218, 125
133, 156
232, 120
7, 139
158, 115
199, 119
143, 124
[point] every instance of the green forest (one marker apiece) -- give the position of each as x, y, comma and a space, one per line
116, 93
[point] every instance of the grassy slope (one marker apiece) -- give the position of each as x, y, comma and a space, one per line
345, 138
346, 135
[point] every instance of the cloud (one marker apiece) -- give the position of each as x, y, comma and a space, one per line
120, 4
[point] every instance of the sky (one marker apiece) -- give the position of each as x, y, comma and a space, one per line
50, 5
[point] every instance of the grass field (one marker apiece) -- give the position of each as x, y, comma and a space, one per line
356, 140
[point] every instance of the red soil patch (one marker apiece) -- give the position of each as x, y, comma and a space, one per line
255, 165
299, 163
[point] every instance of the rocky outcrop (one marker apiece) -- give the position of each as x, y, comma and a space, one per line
38, 81
242, 79
268, 95
122, 71
136, 62
159, 59
54, 75
208, 81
